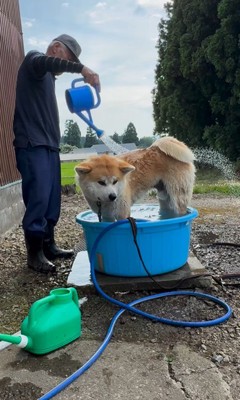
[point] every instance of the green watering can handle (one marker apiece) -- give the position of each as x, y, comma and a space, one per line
39, 303
35, 306
74, 295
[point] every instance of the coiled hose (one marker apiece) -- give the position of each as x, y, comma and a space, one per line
130, 307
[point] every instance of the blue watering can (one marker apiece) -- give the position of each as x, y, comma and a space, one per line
81, 99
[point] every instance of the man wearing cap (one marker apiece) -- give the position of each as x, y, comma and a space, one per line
37, 140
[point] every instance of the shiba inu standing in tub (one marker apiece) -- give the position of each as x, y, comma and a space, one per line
112, 184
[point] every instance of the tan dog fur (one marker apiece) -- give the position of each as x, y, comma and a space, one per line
111, 184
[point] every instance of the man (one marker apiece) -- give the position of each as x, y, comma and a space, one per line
37, 139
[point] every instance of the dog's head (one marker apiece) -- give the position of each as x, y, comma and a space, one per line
101, 178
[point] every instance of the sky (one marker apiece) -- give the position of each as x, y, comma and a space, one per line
118, 40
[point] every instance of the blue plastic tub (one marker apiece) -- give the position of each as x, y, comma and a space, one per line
164, 243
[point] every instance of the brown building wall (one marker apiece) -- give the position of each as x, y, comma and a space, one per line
11, 55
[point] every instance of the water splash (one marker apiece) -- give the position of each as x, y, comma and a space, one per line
114, 146
217, 160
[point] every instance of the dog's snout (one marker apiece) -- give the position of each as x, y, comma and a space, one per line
112, 196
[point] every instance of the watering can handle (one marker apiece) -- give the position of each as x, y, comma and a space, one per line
45, 300
96, 90
35, 306
74, 295
75, 81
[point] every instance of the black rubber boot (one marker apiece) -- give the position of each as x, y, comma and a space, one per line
35, 257
51, 250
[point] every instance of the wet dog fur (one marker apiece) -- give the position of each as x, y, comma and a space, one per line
112, 184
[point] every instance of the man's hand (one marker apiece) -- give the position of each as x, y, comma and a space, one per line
91, 77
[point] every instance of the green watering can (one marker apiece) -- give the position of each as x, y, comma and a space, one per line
53, 322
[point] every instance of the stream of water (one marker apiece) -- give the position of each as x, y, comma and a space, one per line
115, 147
217, 160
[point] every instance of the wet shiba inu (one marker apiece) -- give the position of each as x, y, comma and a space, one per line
112, 184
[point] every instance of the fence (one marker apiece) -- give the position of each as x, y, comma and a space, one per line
11, 55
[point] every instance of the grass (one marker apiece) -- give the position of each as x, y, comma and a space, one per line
223, 188
207, 180
67, 172
210, 180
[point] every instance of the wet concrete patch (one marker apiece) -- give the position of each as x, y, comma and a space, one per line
60, 366
18, 391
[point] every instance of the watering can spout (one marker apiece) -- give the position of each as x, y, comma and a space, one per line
99, 133
20, 340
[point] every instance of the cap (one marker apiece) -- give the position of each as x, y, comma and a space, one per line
71, 44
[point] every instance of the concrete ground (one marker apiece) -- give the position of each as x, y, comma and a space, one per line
145, 371
143, 360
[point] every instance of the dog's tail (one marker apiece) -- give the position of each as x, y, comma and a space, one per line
174, 148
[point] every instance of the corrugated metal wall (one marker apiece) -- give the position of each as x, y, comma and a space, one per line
11, 55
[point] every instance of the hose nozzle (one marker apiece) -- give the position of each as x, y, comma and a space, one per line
20, 340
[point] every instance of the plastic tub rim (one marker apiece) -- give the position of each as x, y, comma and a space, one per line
191, 214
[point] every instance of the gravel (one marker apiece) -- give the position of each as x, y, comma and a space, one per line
218, 221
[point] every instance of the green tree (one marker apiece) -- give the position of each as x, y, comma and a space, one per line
197, 77
66, 148
82, 141
130, 134
146, 141
116, 137
91, 138
223, 53
72, 134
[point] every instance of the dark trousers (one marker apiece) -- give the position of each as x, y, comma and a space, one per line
41, 187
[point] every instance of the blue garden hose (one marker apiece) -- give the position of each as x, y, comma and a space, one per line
130, 307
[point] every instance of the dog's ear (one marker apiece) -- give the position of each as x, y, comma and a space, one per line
83, 168
125, 167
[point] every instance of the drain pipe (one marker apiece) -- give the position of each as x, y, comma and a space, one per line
130, 307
